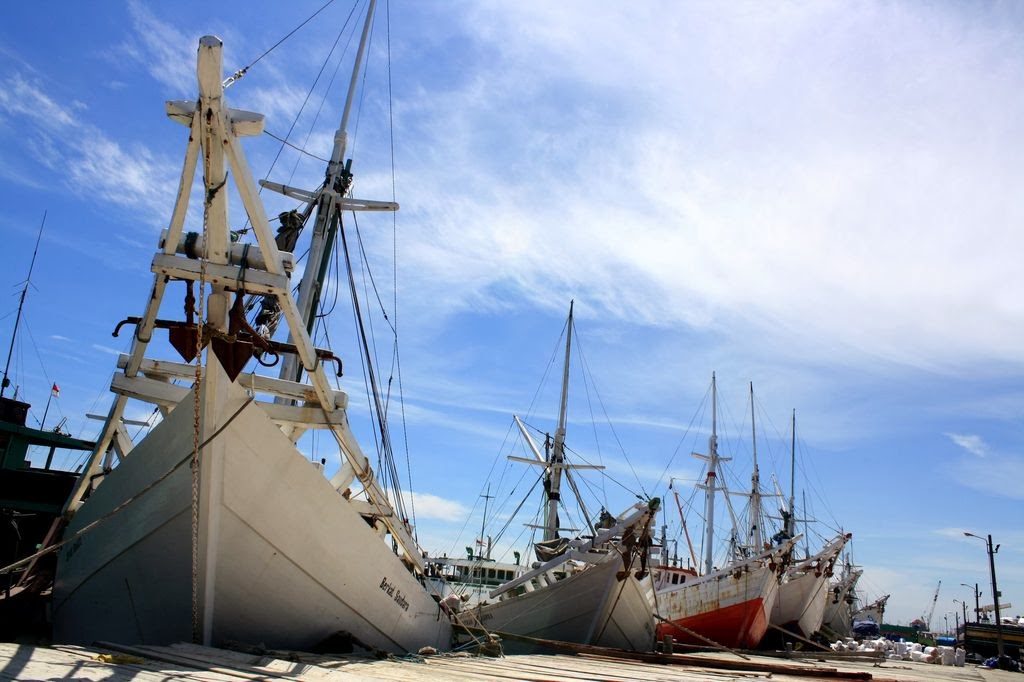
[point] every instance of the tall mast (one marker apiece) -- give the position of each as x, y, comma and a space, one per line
791, 521
710, 482
21, 304
328, 199
807, 528
483, 525
755, 482
558, 450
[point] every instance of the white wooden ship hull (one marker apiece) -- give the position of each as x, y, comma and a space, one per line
838, 605
284, 559
804, 592
259, 548
592, 606
874, 611
838, 617
800, 604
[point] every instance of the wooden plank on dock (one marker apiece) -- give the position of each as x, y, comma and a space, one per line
660, 672
538, 668
684, 659
237, 665
22, 662
191, 663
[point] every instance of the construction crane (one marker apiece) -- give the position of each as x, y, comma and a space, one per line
931, 611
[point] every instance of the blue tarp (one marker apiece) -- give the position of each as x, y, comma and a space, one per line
865, 628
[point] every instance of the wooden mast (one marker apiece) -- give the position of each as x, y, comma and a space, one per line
710, 483
791, 521
558, 449
755, 482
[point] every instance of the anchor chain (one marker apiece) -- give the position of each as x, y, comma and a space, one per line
196, 622
209, 195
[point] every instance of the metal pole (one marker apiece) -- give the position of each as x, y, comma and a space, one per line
995, 595
995, 590
977, 604
483, 524
46, 411
5, 382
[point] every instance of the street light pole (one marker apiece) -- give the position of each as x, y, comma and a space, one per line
977, 604
995, 590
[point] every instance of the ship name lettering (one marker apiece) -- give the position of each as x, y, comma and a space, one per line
396, 595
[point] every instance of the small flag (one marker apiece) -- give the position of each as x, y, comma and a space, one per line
55, 391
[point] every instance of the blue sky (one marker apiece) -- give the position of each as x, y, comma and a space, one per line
821, 198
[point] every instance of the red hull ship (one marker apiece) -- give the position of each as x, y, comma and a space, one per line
728, 607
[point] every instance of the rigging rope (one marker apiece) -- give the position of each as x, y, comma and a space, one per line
309, 93
697, 414
378, 408
508, 520
394, 260
284, 141
604, 410
245, 69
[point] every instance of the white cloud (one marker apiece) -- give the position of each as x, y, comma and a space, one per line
116, 352
827, 191
950, 533
87, 160
434, 507
127, 177
166, 52
18, 96
971, 443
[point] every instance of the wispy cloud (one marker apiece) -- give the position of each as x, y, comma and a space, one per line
971, 443
18, 96
81, 155
950, 533
167, 53
778, 203
1000, 476
116, 352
